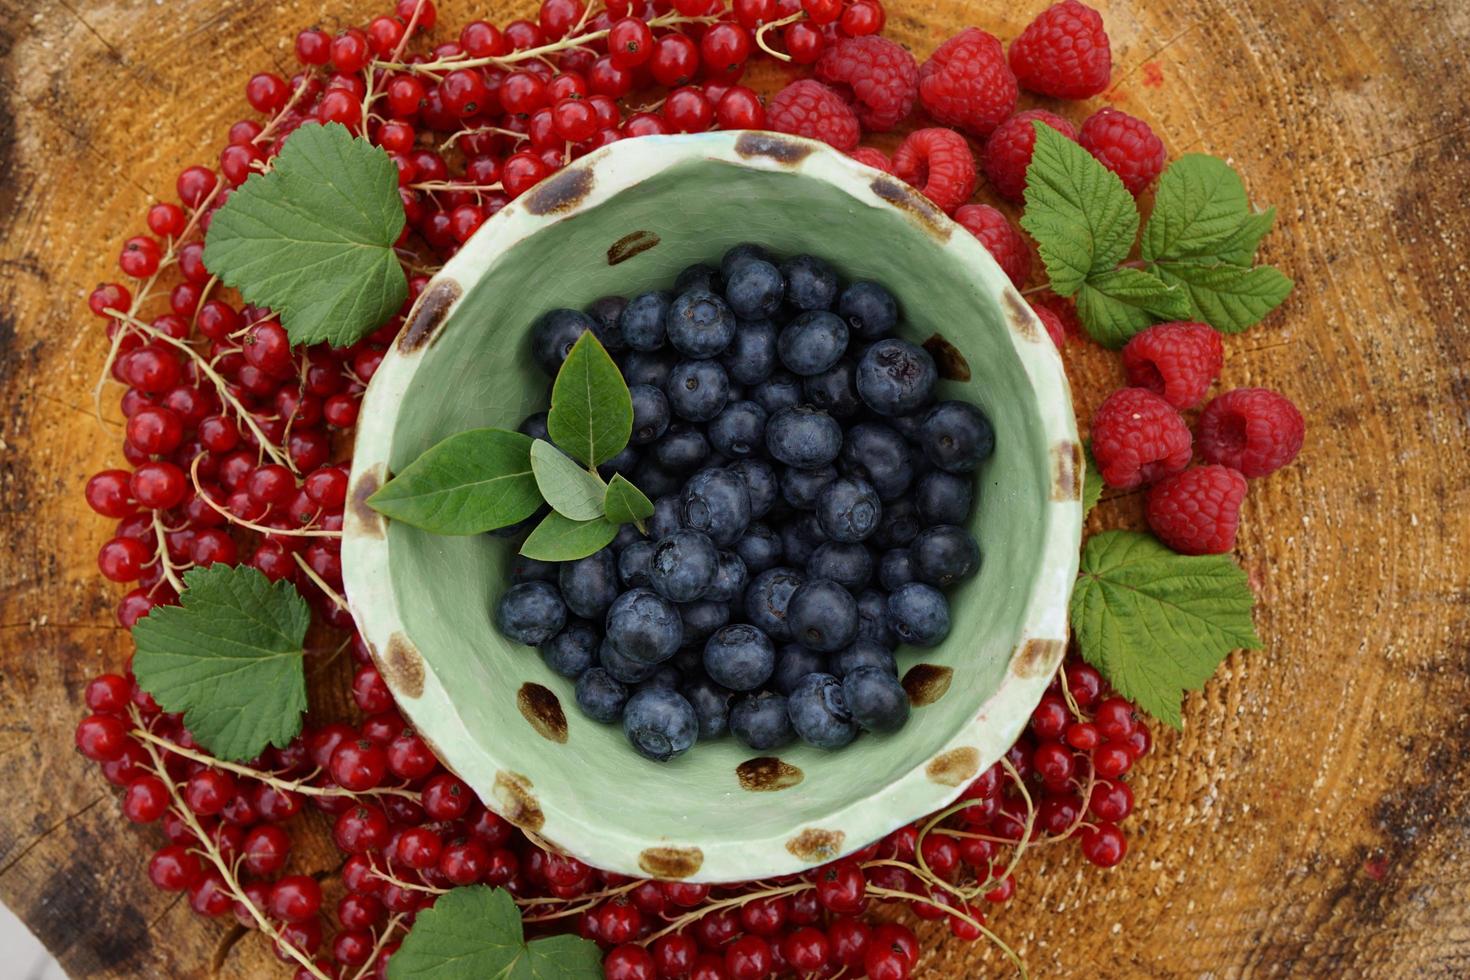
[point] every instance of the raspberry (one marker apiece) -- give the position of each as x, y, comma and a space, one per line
1125, 145
1008, 151
1197, 512
1253, 430
882, 78
1053, 323
939, 163
1011, 251
872, 157
1176, 360
1065, 310
1063, 53
1138, 438
967, 84
809, 108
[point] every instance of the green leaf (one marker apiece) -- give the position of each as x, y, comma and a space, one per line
1082, 217
1200, 202
591, 413
313, 238
229, 657
1239, 247
1229, 298
625, 503
1156, 623
1113, 306
1092, 481
558, 539
475, 933
472, 482
570, 490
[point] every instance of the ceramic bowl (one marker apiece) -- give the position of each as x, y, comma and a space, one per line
626, 219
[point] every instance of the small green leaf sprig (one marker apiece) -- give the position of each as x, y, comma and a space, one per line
486, 479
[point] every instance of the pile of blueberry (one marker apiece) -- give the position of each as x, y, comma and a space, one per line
810, 501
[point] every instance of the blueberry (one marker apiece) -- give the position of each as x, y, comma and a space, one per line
699, 324
811, 284
800, 488
848, 509
731, 578
589, 585
645, 626
701, 618
862, 653
697, 390
625, 462
834, 391
647, 367
781, 390
573, 650
665, 519
751, 356
822, 616
918, 614
739, 657
850, 565
739, 430
760, 484
683, 565
523, 569
944, 498
819, 713
716, 503
698, 276
803, 437
660, 724
642, 321
554, 334
711, 704
650, 413
908, 425
665, 677
621, 668
689, 661
531, 612
944, 554
876, 699
956, 436
800, 539
600, 696
759, 548
812, 343
761, 721
896, 568
766, 599
535, 426
877, 453
682, 449
873, 618
653, 479
754, 289
737, 255
627, 534
633, 564
869, 309
895, 377
898, 526
793, 662
606, 314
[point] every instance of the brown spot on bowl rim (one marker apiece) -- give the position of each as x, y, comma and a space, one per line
767, 774
517, 803
915, 205
363, 519
1036, 657
635, 243
542, 709
1068, 470
561, 192
955, 767
927, 683
402, 666
816, 846
778, 148
1020, 316
428, 315
671, 863
948, 359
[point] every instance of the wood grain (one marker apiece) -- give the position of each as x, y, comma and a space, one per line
1311, 818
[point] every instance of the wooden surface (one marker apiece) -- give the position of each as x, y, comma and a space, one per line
1310, 820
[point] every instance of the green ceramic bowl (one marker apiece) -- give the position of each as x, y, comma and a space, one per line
625, 219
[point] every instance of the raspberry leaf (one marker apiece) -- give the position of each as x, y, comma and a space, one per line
571, 491
1092, 481
625, 503
1082, 217
1156, 623
1229, 298
558, 538
313, 238
1113, 306
229, 657
1239, 247
472, 482
1199, 204
591, 413
475, 933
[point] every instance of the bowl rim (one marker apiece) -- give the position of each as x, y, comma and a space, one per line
929, 784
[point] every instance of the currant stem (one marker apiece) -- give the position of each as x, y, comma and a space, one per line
320, 583
292, 532
389, 928
162, 555
738, 900
760, 35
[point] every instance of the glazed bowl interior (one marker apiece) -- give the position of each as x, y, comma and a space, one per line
639, 212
